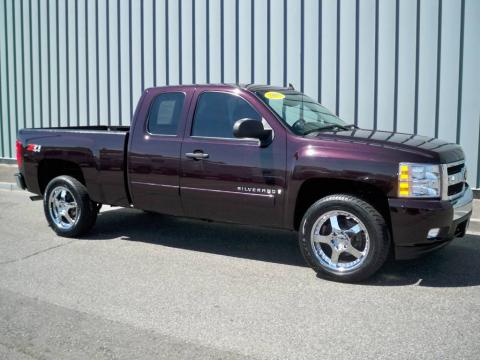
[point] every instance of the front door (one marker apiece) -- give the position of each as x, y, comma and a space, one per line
228, 179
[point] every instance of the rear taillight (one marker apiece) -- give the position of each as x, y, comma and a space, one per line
19, 154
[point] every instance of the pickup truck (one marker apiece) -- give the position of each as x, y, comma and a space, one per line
258, 155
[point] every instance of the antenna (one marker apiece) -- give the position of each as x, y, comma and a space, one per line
290, 86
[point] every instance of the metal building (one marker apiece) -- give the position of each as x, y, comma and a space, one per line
410, 65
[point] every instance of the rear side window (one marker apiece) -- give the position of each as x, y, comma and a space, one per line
164, 113
217, 112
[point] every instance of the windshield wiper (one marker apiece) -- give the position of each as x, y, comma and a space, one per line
328, 127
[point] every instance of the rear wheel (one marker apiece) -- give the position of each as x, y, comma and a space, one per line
344, 238
68, 208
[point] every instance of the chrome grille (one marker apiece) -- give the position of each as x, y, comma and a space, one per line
453, 176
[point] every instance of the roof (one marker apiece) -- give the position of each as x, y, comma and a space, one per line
249, 87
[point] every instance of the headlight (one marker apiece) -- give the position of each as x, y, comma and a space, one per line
419, 180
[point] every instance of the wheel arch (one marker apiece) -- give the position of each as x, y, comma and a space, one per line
314, 189
49, 169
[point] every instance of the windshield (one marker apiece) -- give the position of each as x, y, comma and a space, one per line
299, 112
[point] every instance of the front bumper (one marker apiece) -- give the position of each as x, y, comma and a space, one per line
19, 179
412, 219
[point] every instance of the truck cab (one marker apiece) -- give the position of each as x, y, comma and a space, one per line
183, 157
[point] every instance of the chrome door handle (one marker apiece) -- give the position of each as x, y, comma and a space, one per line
197, 155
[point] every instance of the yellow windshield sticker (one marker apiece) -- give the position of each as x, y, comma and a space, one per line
273, 95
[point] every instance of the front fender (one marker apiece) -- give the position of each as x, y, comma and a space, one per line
334, 164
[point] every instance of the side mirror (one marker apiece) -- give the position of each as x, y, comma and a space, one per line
250, 128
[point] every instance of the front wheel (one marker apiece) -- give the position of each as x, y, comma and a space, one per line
68, 208
344, 238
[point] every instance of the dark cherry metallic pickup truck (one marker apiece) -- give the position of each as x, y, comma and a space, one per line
257, 155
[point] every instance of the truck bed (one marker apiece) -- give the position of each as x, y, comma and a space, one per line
97, 152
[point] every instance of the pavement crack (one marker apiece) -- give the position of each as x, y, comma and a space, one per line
36, 253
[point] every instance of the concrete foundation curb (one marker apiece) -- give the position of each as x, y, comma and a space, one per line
474, 226
8, 161
8, 186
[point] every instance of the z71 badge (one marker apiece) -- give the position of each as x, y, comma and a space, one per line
34, 148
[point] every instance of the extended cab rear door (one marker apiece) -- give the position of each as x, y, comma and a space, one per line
154, 149
225, 178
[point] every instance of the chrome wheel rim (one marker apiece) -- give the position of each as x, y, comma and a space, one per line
63, 208
340, 241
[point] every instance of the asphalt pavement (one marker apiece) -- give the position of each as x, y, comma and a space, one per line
152, 286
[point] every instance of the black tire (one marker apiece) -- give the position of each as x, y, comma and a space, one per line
87, 209
378, 233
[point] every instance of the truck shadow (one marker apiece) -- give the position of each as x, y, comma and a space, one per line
276, 246
456, 265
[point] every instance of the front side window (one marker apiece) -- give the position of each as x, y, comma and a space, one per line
164, 114
216, 113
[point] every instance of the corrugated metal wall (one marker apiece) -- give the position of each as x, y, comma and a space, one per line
410, 65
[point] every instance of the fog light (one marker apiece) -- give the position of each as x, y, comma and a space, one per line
433, 233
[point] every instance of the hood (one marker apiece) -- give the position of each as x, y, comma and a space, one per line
443, 151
